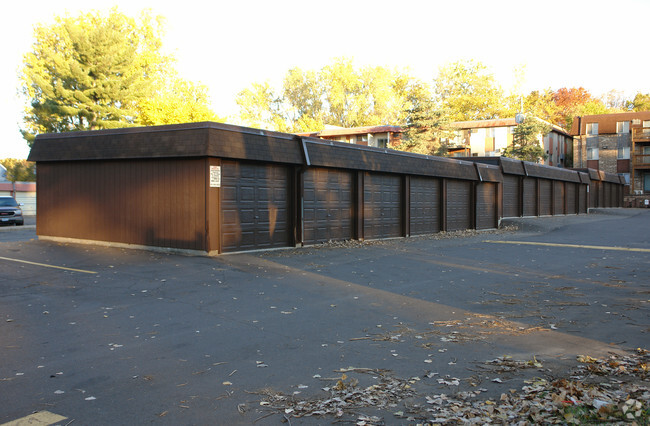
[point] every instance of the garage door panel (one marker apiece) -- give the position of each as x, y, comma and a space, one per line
458, 205
582, 206
545, 197
327, 209
486, 205
425, 205
571, 198
530, 196
382, 210
254, 206
558, 198
511, 196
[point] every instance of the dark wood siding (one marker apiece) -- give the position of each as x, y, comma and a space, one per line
558, 197
607, 194
612, 199
582, 207
254, 206
593, 193
572, 208
486, 205
459, 202
425, 205
382, 206
145, 202
545, 197
530, 197
511, 195
327, 205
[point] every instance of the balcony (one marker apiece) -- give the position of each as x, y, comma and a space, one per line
641, 134
641, 161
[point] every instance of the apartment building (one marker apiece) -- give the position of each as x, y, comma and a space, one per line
375, 136
489, 138
615, 143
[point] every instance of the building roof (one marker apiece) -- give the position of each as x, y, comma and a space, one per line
606, 122
208, 139
499, 122
345, 131
484, 124
19, 186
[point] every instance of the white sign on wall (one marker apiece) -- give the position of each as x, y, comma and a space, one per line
215, 176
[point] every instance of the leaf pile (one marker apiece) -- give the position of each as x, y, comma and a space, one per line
611, 390
621, 394
345, 397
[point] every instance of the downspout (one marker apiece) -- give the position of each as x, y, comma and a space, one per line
301, 204
580, 139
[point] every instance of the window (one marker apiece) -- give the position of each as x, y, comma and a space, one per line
623, 153
646, 123
622, 127
489, 133
592, 153
382, 142
592, 128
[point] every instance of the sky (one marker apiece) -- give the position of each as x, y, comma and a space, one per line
228, 45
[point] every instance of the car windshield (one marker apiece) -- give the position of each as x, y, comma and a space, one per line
8, 202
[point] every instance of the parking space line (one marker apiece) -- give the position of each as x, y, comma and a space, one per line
40, 418
530, 243
47, 266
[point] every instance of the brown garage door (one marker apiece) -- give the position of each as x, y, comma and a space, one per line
593, 193
510, 196
545, 197
459, 194
558, 198
254, 206
571, 207
530, 196
327, 205
486, 205
425, 205
603, 194
583, 202
382, 206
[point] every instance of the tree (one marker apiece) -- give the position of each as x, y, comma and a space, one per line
540, 104
338, 94
260, 107
526, 140
176, 101
641, 102
614, 101
468, 91
572, 102
19, 170
90, 72
426, 126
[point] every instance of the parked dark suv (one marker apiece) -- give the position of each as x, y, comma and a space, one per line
10, 212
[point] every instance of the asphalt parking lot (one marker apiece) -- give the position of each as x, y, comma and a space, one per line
105, 336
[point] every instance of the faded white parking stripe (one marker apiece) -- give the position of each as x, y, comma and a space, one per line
572, 246
40, 418
46, 265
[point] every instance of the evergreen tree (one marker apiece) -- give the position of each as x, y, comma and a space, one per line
427, 130
526, 140
90, 72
